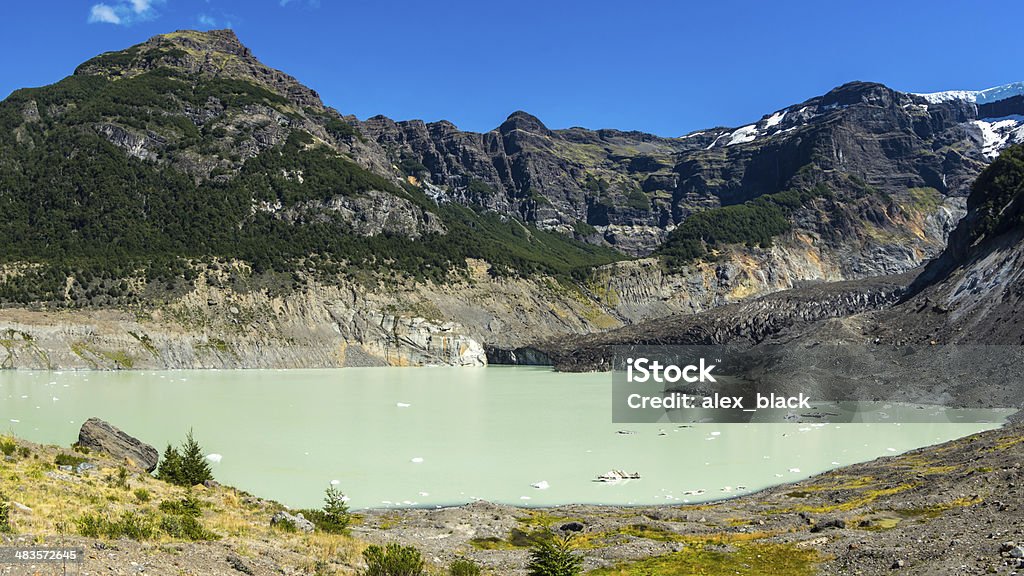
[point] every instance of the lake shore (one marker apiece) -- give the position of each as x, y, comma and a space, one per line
934, 510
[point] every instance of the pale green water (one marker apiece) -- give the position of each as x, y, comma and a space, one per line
481, 433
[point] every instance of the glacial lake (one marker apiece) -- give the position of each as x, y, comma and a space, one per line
440, 436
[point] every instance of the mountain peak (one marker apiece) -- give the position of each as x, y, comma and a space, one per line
520, 120
198, 54
224, 41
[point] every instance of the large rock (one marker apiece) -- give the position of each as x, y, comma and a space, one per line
101, 436
297, 521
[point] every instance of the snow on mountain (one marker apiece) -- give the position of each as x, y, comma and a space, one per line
977, 96
1000, 133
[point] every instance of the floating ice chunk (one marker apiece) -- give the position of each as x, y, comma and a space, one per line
335, 482
424, 493
215, 458
15, 420
402, 404
542, 485
55, 399
716, 433
417, 460
834, 463
525, 498
891, 449
794, 470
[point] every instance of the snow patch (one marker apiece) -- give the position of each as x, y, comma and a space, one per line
999, 133
977, 96
774, 119
743, 135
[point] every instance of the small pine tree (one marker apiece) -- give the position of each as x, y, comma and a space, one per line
335, 512
394, 560
194, 467
554, 559
170, 466
185, 467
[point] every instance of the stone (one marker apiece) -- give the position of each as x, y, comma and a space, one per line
297, 521
572, 527
238, 564
100, 436
898, 564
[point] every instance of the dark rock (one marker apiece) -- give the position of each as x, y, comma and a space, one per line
571, 527
101, 436
238, 564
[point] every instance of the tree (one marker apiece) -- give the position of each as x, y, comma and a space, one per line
335, 512
194, 467
554, 558
170, 466
394, 560
186, 466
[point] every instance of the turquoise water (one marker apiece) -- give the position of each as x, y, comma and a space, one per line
440, 436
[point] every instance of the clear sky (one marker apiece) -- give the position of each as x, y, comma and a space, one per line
667, 67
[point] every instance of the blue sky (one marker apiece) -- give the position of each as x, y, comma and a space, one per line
667, 67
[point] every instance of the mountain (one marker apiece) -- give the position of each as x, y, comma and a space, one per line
969, 295
179, 203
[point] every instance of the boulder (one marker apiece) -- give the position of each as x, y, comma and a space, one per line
297, 521
101, 436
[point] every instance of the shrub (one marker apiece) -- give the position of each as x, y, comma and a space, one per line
68, 460
5, 516
187, 506
185, 527
185, 466
463, 567
130, 525
7, 445
142, 495
554, 558
393, 560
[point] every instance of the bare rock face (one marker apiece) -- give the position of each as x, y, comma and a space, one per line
101, 436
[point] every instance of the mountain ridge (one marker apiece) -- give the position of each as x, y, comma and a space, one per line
183, 173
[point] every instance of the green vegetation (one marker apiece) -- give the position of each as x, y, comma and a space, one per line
129, 524
7, 445
63, 459
393, 560
334, 517
996, 195
5, 515
754, 223
180, 520
186, 466
554, 558
463, 567
83, 219
746, 559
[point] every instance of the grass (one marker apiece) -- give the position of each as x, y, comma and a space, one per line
755, 558
67, 502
